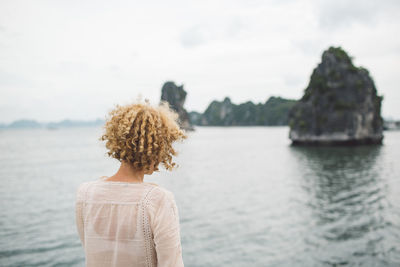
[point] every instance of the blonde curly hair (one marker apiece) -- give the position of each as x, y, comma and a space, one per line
142, 135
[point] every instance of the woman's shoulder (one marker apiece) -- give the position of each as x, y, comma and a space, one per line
160, 194
81, 190
160, 190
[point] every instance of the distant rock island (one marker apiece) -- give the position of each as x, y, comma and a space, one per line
32, 124
273, 112
340, 105
390, 125
176, 96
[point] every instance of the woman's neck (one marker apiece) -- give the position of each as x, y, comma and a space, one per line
127, 173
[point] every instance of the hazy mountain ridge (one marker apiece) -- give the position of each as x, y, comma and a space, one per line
33, 124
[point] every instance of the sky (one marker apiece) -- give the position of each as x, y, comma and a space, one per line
77, 59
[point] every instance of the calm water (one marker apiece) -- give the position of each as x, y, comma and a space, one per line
245, 197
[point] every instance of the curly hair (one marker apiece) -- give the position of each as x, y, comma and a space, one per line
142, 135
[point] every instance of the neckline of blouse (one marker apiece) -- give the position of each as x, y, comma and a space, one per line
103, 179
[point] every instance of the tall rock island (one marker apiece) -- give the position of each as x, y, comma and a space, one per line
340, 105
175, 96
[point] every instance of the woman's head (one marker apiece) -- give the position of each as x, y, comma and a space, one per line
142, 135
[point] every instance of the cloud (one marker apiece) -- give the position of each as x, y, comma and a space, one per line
339, 14
247, 50
204, 33
194, 36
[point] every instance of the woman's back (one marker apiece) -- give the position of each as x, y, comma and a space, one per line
128, 224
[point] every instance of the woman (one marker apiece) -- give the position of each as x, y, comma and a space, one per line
122, 220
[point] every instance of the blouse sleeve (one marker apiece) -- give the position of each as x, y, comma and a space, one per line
166, 233
79, 216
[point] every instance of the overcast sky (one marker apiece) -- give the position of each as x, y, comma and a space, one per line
76, 59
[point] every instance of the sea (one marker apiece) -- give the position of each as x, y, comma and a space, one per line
245, 196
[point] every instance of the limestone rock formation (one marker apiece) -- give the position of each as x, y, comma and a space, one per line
195, 117
340, 105
219, 113
225, 113
175, 96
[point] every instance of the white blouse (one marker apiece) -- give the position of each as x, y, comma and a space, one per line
128, 224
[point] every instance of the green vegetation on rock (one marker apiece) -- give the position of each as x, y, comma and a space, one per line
273, 112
